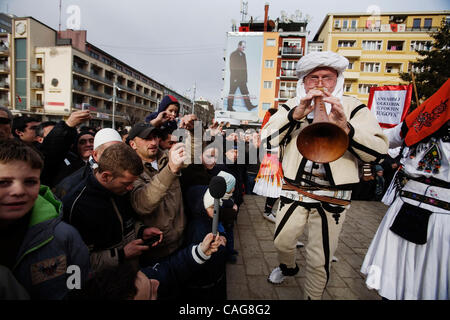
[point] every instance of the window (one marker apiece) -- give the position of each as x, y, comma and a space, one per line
21, 73
287, 89
267, 84
395, 45
350, 65
337, 23
266, 106
270, 42
94, 55
427, 23
416, 23
288, 68
268, 64
107, 61
344, 24
292, 47
447, 20
354, 24
372, 45
370, 66
364, 88
347, 87
420, 45
346, 43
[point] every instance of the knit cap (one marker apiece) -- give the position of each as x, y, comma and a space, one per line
229, 179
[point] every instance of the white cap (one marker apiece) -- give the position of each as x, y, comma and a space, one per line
106, 135
315, 60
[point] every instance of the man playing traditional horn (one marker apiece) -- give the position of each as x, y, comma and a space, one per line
317, 195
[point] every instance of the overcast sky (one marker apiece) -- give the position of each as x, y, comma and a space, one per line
181, 42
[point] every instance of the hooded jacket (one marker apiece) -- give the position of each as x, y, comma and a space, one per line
50, 246
165, 102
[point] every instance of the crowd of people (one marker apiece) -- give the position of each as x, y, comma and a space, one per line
109, 202
130, 212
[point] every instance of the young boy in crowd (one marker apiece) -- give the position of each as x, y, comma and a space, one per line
34, 243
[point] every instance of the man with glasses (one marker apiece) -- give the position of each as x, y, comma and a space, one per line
317, 195
5, 123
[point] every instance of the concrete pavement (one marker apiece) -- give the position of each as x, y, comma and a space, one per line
247, 279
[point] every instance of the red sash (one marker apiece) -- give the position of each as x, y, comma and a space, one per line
430, 116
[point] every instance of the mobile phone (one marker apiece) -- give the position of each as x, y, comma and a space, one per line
150, 241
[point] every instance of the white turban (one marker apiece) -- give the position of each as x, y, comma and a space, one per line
315, 60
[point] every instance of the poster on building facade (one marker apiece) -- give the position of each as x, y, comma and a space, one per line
243, 59
390, 104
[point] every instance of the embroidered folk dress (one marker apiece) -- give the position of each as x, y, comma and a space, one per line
401, 269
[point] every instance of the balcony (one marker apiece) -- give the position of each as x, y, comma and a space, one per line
4, 103
4, 85
4, 51
35, 67
350, 53
37, 85
4, 68
287, 94
291, 51
288, 73
37, 104
351, 75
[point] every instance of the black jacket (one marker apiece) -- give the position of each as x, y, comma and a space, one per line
104, 229
55, 148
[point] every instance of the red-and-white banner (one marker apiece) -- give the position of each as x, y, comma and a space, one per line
390, 104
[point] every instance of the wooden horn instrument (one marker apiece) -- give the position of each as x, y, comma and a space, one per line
322, 141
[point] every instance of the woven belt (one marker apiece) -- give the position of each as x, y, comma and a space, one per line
421, 198
341, 202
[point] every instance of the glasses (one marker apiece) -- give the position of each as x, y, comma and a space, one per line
84, 141
5, 120
314, 80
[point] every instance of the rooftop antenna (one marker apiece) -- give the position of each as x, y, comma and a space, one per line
59, 26
244, 10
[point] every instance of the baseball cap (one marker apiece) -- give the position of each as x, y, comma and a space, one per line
106, 135
141, 130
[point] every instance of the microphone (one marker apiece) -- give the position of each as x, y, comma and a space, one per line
217, 189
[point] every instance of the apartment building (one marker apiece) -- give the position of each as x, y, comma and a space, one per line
281, 43
49, 74
377, 46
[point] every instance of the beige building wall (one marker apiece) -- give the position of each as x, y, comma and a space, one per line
389, 62
268, 74
57, 79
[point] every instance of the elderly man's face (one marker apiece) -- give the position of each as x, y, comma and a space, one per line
321, 78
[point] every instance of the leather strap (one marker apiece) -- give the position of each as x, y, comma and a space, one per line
288, 186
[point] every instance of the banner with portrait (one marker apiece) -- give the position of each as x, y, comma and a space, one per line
243, 64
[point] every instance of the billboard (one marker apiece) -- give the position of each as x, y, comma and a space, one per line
243, 64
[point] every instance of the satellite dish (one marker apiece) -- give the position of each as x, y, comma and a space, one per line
53, 52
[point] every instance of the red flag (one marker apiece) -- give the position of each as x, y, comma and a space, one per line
430, 116
18, 98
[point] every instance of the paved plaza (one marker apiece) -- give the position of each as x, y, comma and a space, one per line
247, 279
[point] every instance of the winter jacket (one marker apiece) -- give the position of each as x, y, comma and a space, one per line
175, 271
165, 102
55, 149
366, 142
199, 226
72, 181
106, 221
157, 199
50, 246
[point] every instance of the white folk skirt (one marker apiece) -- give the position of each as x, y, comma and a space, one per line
402, 270
269, 180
